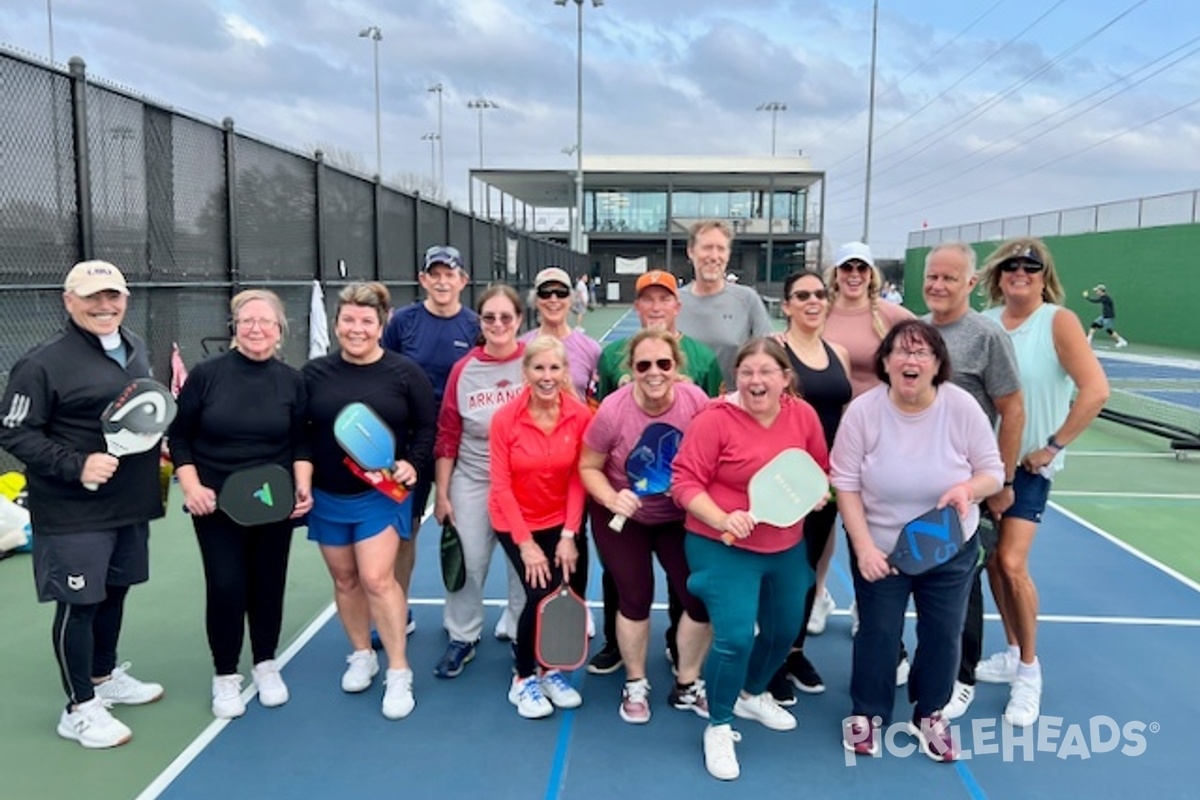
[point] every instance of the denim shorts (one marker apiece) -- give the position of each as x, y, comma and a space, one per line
340, 520
1031, 491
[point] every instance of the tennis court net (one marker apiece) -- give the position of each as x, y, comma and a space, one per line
1155, 394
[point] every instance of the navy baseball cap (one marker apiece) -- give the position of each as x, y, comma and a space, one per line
443, 254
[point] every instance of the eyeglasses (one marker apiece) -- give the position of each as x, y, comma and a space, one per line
250, 324
664, 365
803, 294
922, 356
750, 374
504, 318
1030, 267
562, 293
854, 266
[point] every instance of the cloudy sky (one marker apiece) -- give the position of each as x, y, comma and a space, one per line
984, 108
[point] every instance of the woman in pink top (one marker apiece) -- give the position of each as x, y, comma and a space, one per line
658, 394
552, 296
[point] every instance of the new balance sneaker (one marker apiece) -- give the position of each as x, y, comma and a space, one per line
1024, 702
803, 674
822, 606
526, 695
780, 688
608, 660
398, 699
690, 697
272, 691
227, 702
635, 702
454, 659
720, 755
123, 689
933, 732
93, 726
362, 666
561, 693
902, 670
997, 668
960, 700
859, 737
763, 708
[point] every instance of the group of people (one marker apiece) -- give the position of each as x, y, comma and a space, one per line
523, 441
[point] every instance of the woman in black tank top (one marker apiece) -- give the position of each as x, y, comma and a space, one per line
822, 371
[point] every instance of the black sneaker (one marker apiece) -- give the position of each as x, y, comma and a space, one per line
607, 661
803, 674
781, 688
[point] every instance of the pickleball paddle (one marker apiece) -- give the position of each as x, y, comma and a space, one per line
135, 421
370, 447
560, 637
258, 495
785, 489
454, 567
648, 465
928, 541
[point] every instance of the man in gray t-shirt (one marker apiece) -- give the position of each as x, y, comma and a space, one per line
720, 314
983, 362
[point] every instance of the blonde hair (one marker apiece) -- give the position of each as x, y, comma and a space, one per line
989, 283
706, 225
878, 324
369, 295
267, 296
550, 344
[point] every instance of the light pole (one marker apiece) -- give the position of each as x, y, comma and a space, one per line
441, 174
373, 33
50, 26
774, 106
481, 104
577, 218
870, 126
433, 139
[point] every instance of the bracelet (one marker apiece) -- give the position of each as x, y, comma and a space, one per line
1052, 445
567, 535
1008, 484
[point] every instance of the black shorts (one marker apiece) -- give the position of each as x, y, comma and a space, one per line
75, 568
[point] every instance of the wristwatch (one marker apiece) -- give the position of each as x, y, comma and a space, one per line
1052, 444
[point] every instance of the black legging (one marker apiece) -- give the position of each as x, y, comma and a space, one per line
817, 528
245, 574
85, 642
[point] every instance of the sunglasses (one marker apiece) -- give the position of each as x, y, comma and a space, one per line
1030, 267
854, 266
503, 318
804, 294
561, 293
664, 365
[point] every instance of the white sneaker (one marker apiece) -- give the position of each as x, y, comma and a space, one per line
558, 691
526, 695
854, 619
363, 666
720, 755
92, 726
124, 689
501, 631
1024, 702
398, 699
1122, 343
902, 670
998, 668
960, 700
272, 691
763, 708
227, 700
822, 607
591, 624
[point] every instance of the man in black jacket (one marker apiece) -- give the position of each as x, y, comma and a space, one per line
89, 546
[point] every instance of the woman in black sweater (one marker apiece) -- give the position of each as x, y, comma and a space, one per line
244, 408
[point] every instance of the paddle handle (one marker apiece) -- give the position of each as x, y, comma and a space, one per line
617, 523
91, 487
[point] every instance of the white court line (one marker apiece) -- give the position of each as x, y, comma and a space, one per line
1120, 454
1134, 495
1072, 619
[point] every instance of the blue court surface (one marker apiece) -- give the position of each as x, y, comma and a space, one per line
1120, 643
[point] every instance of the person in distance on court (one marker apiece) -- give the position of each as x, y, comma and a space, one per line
1108, 314
358, 528
536, 506
656, 302
434, 332
1053, 356
654, 524
90, 546
986, 366
479, 383
822, 372
581, 300
913, 443
244, 408
762, 577
714, 310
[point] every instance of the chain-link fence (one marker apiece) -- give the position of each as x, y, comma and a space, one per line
193, 212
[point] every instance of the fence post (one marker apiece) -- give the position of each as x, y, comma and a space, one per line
319, 168
377, 228
231, 203
83, 161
